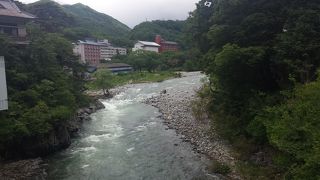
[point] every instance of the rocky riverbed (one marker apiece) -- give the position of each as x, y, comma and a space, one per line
176, 108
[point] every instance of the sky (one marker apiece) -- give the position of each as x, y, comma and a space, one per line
133, 12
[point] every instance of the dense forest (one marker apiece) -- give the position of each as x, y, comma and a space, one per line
43, 95
169, 30
166, 61
262, 57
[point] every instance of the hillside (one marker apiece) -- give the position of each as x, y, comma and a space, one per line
169, 30
99, 23
76, 21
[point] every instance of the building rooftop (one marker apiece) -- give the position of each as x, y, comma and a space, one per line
169, 42
88, 42
9, 8
114, 65
146, 43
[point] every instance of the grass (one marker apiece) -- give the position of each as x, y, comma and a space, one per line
219, 168
138, 77
253, 171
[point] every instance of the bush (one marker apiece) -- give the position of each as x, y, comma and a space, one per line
293, 127
219, 168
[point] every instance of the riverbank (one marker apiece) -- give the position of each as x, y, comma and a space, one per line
176, 108
119, 80
58, 139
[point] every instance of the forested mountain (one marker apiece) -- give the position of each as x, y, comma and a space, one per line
76, 21
263, 59
98, 23
169, 30
79, 21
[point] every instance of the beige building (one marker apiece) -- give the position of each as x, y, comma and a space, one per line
107, 52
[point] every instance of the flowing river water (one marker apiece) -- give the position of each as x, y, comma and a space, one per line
127, 141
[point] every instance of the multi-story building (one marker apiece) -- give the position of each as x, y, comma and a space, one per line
92, 53
13, 21
107, 52
89, 52
166, 45
146, 46
121, 51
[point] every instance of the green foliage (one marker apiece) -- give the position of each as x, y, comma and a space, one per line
262, 58
151, 61
136, 77
98, 24
104, 81
220, 168
293, 127
51, 15
41, 94
169, 30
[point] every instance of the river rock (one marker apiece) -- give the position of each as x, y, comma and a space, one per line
176, 107
33, 169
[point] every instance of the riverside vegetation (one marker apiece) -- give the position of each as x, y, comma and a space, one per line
262, 58
100, 82
43, 97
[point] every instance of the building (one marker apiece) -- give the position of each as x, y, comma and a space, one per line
121, 51
166, 45
89, 52
3, 86
13, 21
117, 67
92, 52
146, 46
107, 52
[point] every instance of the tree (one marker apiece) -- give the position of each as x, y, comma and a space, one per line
42, 97
104, 81
256, 52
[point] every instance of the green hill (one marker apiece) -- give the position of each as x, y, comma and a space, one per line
76, 21
169, 30
99, 23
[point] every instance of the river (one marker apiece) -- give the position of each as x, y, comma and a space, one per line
128, 141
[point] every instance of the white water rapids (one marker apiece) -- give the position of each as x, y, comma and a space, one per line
127, 141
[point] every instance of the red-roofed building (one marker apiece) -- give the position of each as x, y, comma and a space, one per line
13, 21
166, 45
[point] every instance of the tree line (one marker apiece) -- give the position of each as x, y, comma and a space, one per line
262, 58
152, 61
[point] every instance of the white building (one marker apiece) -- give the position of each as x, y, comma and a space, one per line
146, 46
121, 51
107, 52
3, 86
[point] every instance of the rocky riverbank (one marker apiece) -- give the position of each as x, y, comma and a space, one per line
176, 108
59, 138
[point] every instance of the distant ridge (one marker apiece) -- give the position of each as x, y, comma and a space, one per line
76, 21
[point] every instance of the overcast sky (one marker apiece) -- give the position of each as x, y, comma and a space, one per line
133, 12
